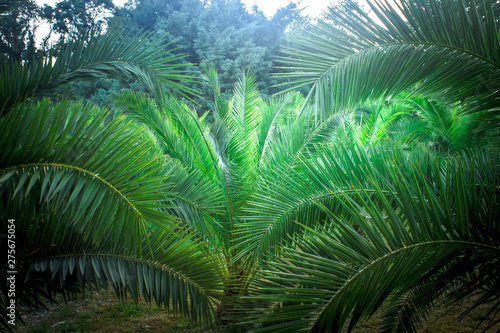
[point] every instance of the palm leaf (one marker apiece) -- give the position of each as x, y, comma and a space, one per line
194, 173
352, 58
294, 187
425, 228
211, 77
86, 190
128, 57
172, 272
242, 125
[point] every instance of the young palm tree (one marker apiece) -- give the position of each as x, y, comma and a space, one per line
156, 210
410, 119
249, 146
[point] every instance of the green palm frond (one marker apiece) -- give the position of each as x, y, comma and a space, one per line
448, 127
296, 139
276, 113
194, 173
242, 124
172, 271
87, 190
126, 58
146, 111
288, 187
211, 78
51, 146
177, 128
415, 228
353, 57
164, 265
379, 124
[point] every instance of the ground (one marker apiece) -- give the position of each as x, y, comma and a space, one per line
107, 313
104, 312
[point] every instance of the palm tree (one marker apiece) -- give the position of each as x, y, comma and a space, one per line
88, 197
407, 227
261, 168
156, 207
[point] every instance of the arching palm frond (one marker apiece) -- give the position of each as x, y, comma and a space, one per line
276, 112
90, 198
201, 198
129, 57
179, 134
412, 118
410, 233
172, 270
242, 124
282, 194
211, 78
448, 129
411, 44
377, 121
294, 137
177, 128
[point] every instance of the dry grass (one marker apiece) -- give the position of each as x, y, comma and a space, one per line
107, 313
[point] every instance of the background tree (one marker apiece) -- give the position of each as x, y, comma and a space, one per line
225, 34
17, 31
74, 19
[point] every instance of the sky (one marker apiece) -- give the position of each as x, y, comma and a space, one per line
313, 8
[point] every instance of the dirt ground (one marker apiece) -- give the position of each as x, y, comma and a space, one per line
107, 313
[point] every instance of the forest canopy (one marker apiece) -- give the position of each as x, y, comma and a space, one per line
225, 34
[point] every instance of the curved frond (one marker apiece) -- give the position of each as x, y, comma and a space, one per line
350, 57
429, 228
172, 271
242, 125
318, 175
127, 58
194, 174
50, 151
211, 77
92, 196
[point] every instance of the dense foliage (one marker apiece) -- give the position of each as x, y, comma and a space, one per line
17, 30
221, 33
377, 192
226, 34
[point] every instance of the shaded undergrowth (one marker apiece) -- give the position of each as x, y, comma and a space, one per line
104, 312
